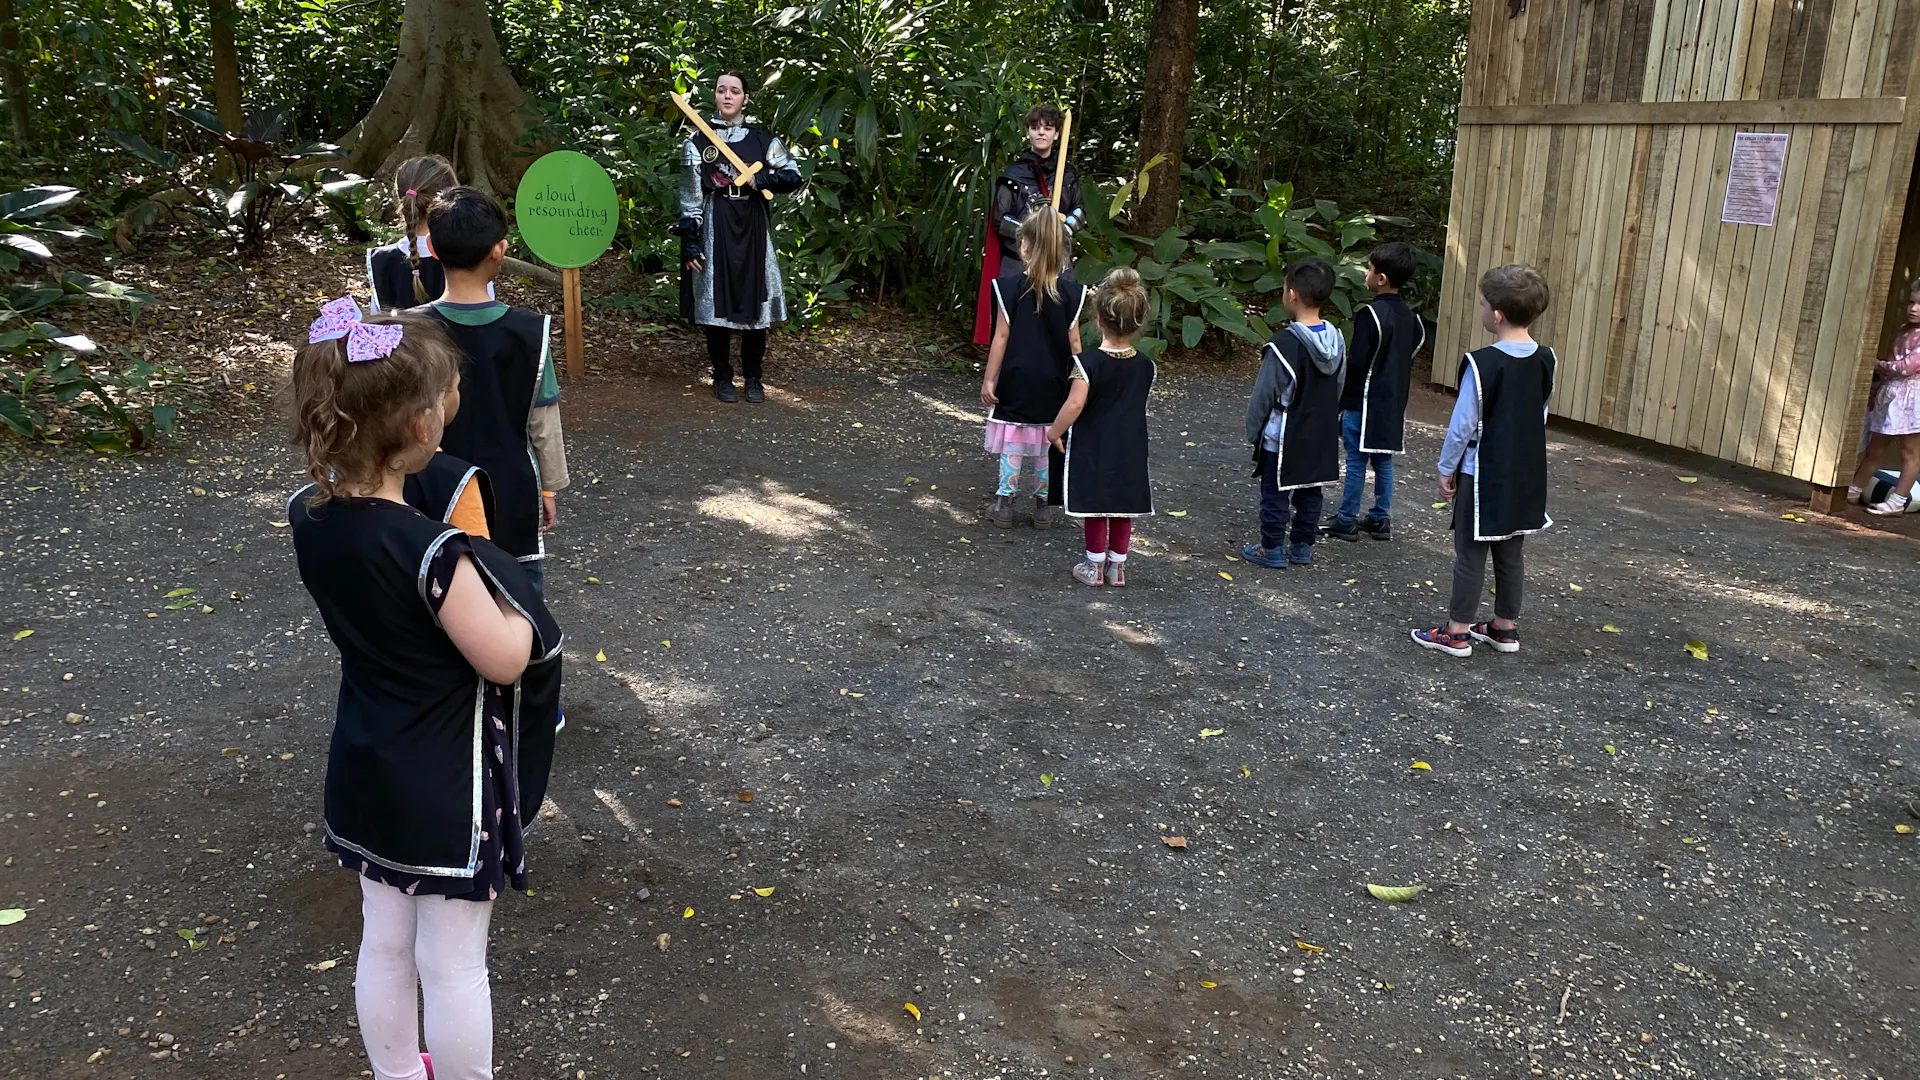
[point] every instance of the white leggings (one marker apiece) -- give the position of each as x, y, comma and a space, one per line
436, 944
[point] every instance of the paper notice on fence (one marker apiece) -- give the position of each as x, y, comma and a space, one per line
1753, 178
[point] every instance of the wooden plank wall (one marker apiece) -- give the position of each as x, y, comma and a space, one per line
1745, 342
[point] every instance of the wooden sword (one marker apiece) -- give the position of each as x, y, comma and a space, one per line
744, 170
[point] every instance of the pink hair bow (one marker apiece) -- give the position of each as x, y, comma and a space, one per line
341, 319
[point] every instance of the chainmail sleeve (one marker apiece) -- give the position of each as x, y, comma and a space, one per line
1007, 211
692, 200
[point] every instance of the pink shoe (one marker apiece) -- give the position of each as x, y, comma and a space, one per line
427, 1060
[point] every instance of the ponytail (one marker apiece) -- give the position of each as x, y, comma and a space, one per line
352, 419
1044, 239
416, 182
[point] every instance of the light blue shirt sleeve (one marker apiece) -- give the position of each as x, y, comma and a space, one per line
1455, 455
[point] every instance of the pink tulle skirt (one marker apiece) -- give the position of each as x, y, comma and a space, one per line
1026, 440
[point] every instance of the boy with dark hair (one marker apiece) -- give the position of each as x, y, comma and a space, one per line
1493, 465
1023, 185
509, 419
1373, 407
1293, 420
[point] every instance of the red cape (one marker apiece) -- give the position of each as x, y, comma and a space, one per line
989, 273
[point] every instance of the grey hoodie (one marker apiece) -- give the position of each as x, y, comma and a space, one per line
1273, 390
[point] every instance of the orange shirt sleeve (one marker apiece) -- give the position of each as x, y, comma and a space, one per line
469, 513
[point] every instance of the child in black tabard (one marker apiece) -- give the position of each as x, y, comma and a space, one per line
509, 422
426, 787
1494, 462
1034, 343
1373, 407
1103, 430
1293, 420
406, 274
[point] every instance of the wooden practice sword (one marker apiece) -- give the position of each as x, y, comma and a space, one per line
745, 170
1060, 151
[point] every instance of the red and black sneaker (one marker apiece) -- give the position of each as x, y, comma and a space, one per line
1438, 638
1507, 640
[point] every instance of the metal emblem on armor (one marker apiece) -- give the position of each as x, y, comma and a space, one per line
711, 154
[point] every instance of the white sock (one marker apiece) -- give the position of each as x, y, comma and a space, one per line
1115, 557
1853, 493
1897, 501
1096, 557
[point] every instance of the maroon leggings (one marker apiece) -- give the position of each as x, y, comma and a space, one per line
1109, 534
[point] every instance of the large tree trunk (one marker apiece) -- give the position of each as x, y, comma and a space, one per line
450, 93
1163, 111
13, 77
226, 65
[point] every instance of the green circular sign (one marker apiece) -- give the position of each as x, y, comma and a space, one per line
567, 209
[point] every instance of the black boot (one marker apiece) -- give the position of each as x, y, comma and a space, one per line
1001, 512
755, 392
724, 391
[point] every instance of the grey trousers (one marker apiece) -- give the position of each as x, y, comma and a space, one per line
1470, 565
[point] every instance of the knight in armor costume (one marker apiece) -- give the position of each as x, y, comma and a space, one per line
729, 273
1024, 184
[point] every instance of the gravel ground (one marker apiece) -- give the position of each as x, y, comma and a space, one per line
953, 771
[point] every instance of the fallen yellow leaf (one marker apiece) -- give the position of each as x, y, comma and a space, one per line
1210, 732
1609, 629
1439, 506
1246, 772
768, 891
324, 965
1423, 766
1903, 829
1688, 479
1397, 894
1205, 985
1176, 513
1576, 588
600, 656
913, 1010
23, 635
1697, 650
1307, 946
593, 581
1226, 575
687, 914
666, 644
279, 524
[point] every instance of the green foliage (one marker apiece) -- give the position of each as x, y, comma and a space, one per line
1234, 287
901, 112
258, 191
117, 405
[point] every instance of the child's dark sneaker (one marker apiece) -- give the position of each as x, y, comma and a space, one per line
1501, 640
1271, 558
1341, 530
1377, 527
1300, 554
1451, 644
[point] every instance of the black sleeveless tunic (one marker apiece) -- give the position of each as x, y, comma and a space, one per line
1310, 428
390, 276
1386, 375
434, 491
1039, 357
1510, 477
1106, 473
500, 369
739, 218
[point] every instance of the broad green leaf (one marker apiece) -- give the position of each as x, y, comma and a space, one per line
9, 916
140, 148
1170, 246
1192, 329
34, 201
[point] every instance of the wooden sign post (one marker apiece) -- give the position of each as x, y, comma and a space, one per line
568, 213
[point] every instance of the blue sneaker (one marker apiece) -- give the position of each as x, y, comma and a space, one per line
1273, 559
1300, 554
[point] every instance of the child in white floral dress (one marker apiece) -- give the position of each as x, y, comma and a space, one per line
1894, 415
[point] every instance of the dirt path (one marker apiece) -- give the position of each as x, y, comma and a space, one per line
962, 766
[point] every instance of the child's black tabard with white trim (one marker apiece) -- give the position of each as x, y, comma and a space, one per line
1510, 473
436, 489
500, 369
1033, 372
1106, 470
1398, 334
1310, 427
390, 277
403, 766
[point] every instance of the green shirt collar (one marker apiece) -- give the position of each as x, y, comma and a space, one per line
471, 314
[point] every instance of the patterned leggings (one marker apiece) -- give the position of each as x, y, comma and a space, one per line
1010, 474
